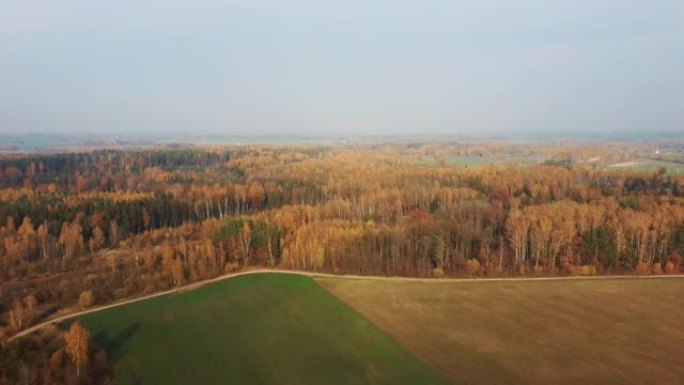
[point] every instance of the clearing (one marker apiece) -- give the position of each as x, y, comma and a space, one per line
646, 165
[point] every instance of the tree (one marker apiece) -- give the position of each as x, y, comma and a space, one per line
147, 219
240, 197
86, 299
246, 239
171, 268
113, 233
43, 236
77, 339
31, 302
517, 228
98, 239
27, 235
81, 184
70, 238
436, 251
17, 315
256, 194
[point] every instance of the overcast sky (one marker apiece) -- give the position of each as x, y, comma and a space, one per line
336, 67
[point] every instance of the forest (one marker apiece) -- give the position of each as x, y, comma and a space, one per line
92, 227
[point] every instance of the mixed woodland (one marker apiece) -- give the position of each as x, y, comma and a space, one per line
89, 228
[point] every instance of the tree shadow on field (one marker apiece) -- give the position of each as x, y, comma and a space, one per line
115, 345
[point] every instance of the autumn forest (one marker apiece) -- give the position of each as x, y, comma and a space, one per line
93, 227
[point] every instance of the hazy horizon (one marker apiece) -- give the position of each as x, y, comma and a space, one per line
341, 68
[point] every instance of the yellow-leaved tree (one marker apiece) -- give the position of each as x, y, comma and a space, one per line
77, 345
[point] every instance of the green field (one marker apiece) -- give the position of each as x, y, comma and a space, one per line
645, 165
602, 331
286, 329
255, 329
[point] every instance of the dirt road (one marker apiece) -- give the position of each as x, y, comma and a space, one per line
312, 274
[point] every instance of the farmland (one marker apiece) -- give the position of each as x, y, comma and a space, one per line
346, 192
88, 229
265, 328
646, 165
568, 331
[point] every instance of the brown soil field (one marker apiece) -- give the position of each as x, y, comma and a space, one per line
613, 331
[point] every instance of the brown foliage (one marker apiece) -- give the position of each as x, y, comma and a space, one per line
382, 209
77, 340
86, 299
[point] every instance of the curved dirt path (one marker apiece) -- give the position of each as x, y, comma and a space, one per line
324, 275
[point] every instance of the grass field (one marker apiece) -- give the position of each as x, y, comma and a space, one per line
648, 165
257, 329
617, 331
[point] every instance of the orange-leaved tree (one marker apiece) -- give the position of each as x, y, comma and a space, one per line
77, 345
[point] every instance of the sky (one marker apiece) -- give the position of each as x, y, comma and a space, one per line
387, 67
